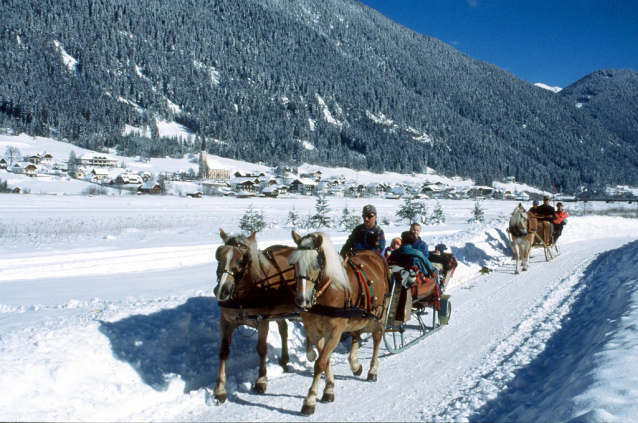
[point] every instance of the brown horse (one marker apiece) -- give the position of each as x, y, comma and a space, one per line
254, 288
336, 300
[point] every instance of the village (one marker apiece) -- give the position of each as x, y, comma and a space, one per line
214, 178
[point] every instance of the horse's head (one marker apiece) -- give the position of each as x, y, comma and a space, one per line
235, 266
315, 261
307, 261
519, 221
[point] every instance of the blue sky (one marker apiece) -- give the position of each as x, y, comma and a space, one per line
554, 42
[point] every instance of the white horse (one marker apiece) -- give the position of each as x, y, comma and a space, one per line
521, 236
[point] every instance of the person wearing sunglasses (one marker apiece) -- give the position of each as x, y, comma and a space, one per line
367, 236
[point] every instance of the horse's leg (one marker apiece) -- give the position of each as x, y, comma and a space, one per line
517, 257
262, 349
325, 347
311, 355
353, 358
329, 390
227, 329
377, 335
526, 251
283, 332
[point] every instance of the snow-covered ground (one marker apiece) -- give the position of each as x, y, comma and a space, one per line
107, 313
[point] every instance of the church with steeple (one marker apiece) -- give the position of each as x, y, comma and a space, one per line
209, 168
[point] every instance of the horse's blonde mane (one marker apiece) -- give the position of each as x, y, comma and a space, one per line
309, 260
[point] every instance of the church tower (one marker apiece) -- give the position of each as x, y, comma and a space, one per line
203, 161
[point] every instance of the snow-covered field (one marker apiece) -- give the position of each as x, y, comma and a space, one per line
107, 313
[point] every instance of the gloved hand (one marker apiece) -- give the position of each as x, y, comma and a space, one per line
433, 273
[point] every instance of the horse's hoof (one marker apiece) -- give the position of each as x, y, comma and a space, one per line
372, 377
284, 367
517, 272
260, 388
328, 397
220, 398
358, 371
311, 356
308, 410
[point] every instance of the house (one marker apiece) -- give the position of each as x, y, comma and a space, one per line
432, 190
271, 191
375, 188
97, 175
97, 160
480, 191
196, 194
3, 163
335, 192
24, 168
35, 159
46, 157
128, 179
302, 186
16, 190
322, 188
78, 174
151, 187
250, 184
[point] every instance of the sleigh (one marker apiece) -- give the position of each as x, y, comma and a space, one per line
417, 304
543, 239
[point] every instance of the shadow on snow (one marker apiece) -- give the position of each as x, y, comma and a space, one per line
542, 390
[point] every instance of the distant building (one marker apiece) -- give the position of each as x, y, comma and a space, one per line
210, 168
97, 160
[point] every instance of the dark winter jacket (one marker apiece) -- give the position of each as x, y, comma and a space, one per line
421, 246
365, 239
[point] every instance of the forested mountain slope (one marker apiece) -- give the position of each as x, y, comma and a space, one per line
319, 81
611, 97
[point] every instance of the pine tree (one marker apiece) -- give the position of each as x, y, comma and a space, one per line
478, 215
349, 218
412, 210
437, 217
72, 163
293, 217
252, 221
320, 219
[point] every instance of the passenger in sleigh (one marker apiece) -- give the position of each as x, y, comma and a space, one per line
408, 257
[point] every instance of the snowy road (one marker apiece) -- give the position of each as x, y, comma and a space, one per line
131, 334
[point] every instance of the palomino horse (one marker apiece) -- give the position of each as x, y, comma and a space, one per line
336, 300
521, 233
254, 287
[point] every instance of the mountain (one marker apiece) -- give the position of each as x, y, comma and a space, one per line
329, 82
611, 97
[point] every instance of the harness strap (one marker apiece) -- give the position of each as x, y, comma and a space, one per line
323, 288
328, 311
366, 286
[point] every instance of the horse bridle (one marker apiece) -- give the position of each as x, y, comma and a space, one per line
235, 275
322, 259
516, 231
